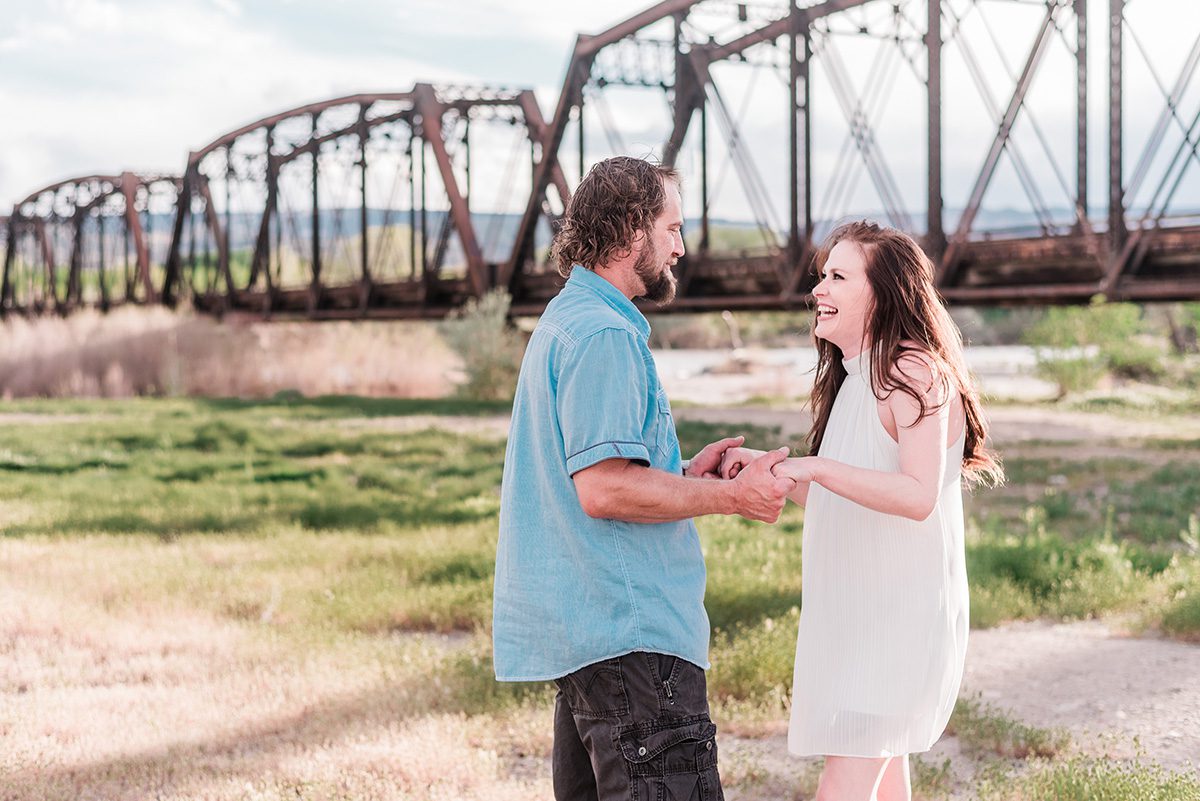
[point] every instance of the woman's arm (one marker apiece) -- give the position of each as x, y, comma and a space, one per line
912, 492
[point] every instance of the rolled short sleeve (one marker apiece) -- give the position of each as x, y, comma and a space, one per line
603, 398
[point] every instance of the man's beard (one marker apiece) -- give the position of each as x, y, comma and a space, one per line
660, 284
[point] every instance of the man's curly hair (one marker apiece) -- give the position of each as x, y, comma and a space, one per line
616, 199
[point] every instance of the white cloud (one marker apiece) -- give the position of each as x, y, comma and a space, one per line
168, 79
102, 85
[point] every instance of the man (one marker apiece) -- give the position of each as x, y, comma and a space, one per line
599, 574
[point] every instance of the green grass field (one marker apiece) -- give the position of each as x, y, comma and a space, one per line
363, 530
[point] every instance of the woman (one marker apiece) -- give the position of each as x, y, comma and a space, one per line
897, 425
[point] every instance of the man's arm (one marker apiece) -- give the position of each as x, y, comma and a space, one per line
619, 489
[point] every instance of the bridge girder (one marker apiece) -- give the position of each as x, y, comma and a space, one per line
1145, 246
72, 217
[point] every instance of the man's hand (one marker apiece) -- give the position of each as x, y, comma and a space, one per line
760, 493
707, 463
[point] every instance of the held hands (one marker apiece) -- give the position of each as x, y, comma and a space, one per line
761, 480
707, 463
760, 493
737, 458
799, 469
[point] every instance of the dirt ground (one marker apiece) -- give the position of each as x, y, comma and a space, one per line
1118, 696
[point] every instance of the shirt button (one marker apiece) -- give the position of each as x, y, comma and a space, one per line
642, 751
708, 746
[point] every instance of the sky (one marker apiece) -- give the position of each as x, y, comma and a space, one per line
92, 86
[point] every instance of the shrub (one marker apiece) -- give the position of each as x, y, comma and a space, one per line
749, 661
1040, 574
1076, 346
490, 348
1182, 618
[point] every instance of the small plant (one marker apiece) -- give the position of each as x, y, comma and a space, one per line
931, 780
1083, 779
489, 347
983, 728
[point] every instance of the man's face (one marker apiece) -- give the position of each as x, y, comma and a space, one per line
661, 250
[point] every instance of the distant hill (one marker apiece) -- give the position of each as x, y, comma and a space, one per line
497, 231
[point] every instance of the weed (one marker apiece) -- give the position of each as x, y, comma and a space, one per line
1082, 779
984, 729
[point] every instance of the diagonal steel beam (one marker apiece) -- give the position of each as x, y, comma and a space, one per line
577, 74
1169, 112
219, 234
129, 187
536, 125
47, 248
1138, 241
432, 112
863, 137
780, 27
949, 266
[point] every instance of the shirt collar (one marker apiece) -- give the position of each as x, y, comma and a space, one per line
588, 280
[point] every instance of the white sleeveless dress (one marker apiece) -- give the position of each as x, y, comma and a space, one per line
883, 623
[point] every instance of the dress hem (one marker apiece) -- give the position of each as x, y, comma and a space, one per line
807, 753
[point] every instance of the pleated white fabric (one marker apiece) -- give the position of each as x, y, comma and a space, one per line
884, 619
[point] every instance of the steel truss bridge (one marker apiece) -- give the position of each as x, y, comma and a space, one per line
371, 206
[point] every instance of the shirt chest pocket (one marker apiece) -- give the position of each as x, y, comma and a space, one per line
665, 438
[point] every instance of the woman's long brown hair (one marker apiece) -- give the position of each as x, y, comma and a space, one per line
907, 309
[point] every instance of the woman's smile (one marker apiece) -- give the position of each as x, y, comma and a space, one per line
844, 298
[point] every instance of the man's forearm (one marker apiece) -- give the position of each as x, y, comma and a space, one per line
637, 494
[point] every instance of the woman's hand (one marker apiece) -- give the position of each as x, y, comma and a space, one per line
799, 469
737, 458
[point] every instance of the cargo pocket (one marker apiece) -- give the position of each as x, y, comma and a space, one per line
672, 760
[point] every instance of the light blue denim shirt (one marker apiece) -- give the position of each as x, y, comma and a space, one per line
572, 590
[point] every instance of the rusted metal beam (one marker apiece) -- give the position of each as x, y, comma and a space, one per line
432, 114
935, 234
536, 126
129, 188
220, 235
10, 250
1081, 102
780, 27
1116, 190
51, 271
546, 157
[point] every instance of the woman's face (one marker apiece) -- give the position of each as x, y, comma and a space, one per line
844, 299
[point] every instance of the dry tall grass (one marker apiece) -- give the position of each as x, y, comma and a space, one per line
153, 351
137, 698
